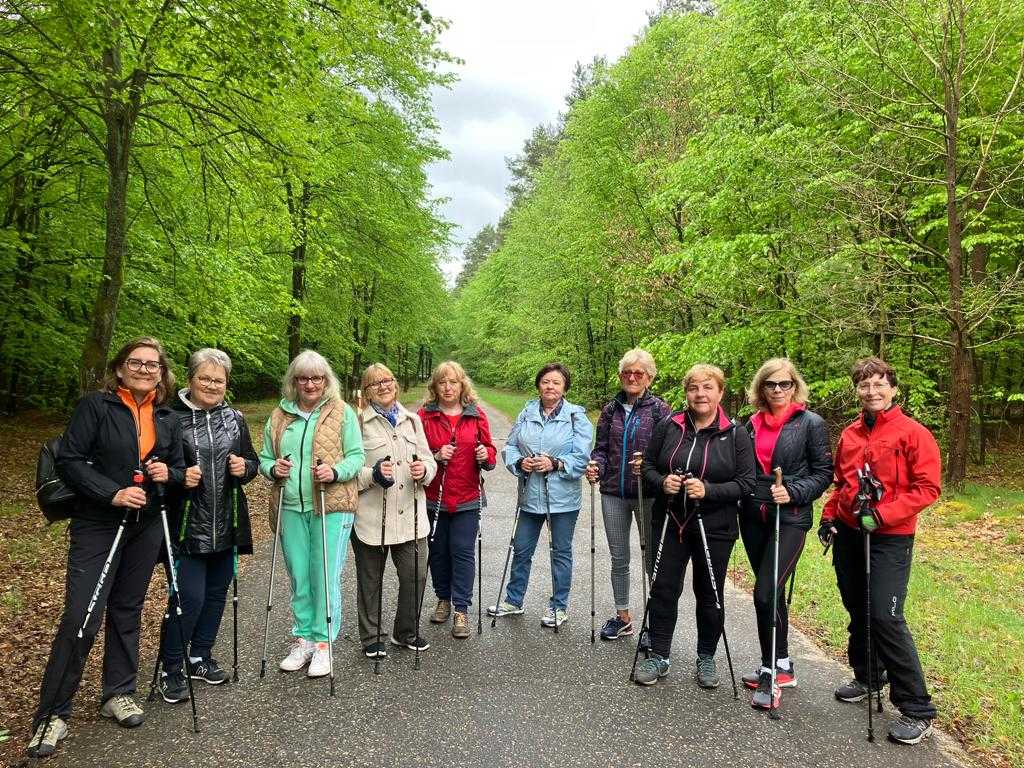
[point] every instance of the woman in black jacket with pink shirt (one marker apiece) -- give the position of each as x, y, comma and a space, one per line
788, 436
703, 465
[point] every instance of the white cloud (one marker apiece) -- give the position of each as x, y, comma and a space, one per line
519, 60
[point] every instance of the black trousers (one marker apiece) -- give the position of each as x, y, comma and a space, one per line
758, 535
370, 561
896, 653
203, 581
120, 602
679, 548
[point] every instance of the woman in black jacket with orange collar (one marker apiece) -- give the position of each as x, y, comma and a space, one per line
121, 448
788, 436
703, 465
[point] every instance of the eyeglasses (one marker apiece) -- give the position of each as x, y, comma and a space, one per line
873, 386
381, 384
638, 375
316, 380
782, 386
135, 365
209, 383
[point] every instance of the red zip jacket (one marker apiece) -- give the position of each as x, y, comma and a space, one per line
461, 475
903, 455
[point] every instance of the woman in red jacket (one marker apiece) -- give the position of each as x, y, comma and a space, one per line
904, 459
460, 439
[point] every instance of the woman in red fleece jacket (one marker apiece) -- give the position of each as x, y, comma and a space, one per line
904, 457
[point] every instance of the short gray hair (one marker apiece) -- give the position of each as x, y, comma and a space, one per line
209, 355
310, 363
641, 357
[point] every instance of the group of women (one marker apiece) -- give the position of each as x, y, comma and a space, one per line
411, 484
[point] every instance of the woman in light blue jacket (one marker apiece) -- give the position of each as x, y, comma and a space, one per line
548, 450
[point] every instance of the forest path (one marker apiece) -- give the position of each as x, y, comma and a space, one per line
515, 695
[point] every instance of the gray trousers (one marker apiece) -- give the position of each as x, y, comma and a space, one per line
618, 514
370, 562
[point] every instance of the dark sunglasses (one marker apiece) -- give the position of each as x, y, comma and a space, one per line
782, 386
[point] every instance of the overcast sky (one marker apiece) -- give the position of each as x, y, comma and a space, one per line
519, 60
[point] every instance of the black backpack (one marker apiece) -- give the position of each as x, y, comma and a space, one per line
55, 499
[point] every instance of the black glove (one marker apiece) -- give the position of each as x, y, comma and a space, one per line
379, 478
826, 530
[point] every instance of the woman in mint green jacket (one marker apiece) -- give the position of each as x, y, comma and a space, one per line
312, 423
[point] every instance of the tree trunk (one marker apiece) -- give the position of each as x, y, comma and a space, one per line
299, 211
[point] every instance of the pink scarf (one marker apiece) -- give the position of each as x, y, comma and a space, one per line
766, 433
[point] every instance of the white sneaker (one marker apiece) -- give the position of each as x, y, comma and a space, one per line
299, 656
549, 618
320, 664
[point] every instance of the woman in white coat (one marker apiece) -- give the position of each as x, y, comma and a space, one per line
398, 466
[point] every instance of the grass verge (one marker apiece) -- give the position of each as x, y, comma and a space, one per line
964, 609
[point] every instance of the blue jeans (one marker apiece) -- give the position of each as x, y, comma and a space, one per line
453, 558
525, 542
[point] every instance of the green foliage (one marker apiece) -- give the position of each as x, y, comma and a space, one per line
770, 179
240, 107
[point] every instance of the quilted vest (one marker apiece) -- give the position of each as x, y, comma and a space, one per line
327, 445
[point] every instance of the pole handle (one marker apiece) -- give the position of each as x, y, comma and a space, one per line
778, 475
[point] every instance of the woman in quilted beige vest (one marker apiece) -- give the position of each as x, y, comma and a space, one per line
398, 465
312, 423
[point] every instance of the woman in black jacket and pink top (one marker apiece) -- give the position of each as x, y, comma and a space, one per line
788, 436
703, 465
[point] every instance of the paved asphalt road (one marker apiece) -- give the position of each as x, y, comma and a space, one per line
514, 696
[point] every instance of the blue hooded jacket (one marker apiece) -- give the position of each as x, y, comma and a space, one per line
566, 437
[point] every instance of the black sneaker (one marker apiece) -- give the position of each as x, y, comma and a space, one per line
376, 651
854, 691
207, 670
173, 687
909, 730
413, 643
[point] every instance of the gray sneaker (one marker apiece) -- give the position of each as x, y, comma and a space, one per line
651, 669
45, 744
707, 672
909, 730
124, 710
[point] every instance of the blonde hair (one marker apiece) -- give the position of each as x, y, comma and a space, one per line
755, 395
705, 371
310, 363
457, 372
641, 357
373, 371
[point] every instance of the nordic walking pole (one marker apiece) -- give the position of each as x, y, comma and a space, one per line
775, 695
593, 613
644, 630
867, 630
416, 560
719, 601
177, 598
273, 569
480, 562
551, 536
383, 562
508, 554
234, 586
137, 479
642, 523
327, 591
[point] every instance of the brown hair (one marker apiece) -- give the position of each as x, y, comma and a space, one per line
553, 368
166, 384
867, 367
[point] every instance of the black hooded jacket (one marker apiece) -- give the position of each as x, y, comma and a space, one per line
100, 452
214, 516
804, 454
720, 455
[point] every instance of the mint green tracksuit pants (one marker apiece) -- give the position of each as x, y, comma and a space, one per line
302, 544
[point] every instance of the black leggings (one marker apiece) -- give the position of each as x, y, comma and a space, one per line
758, 535
668, 587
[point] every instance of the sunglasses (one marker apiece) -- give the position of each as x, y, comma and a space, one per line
782, 386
